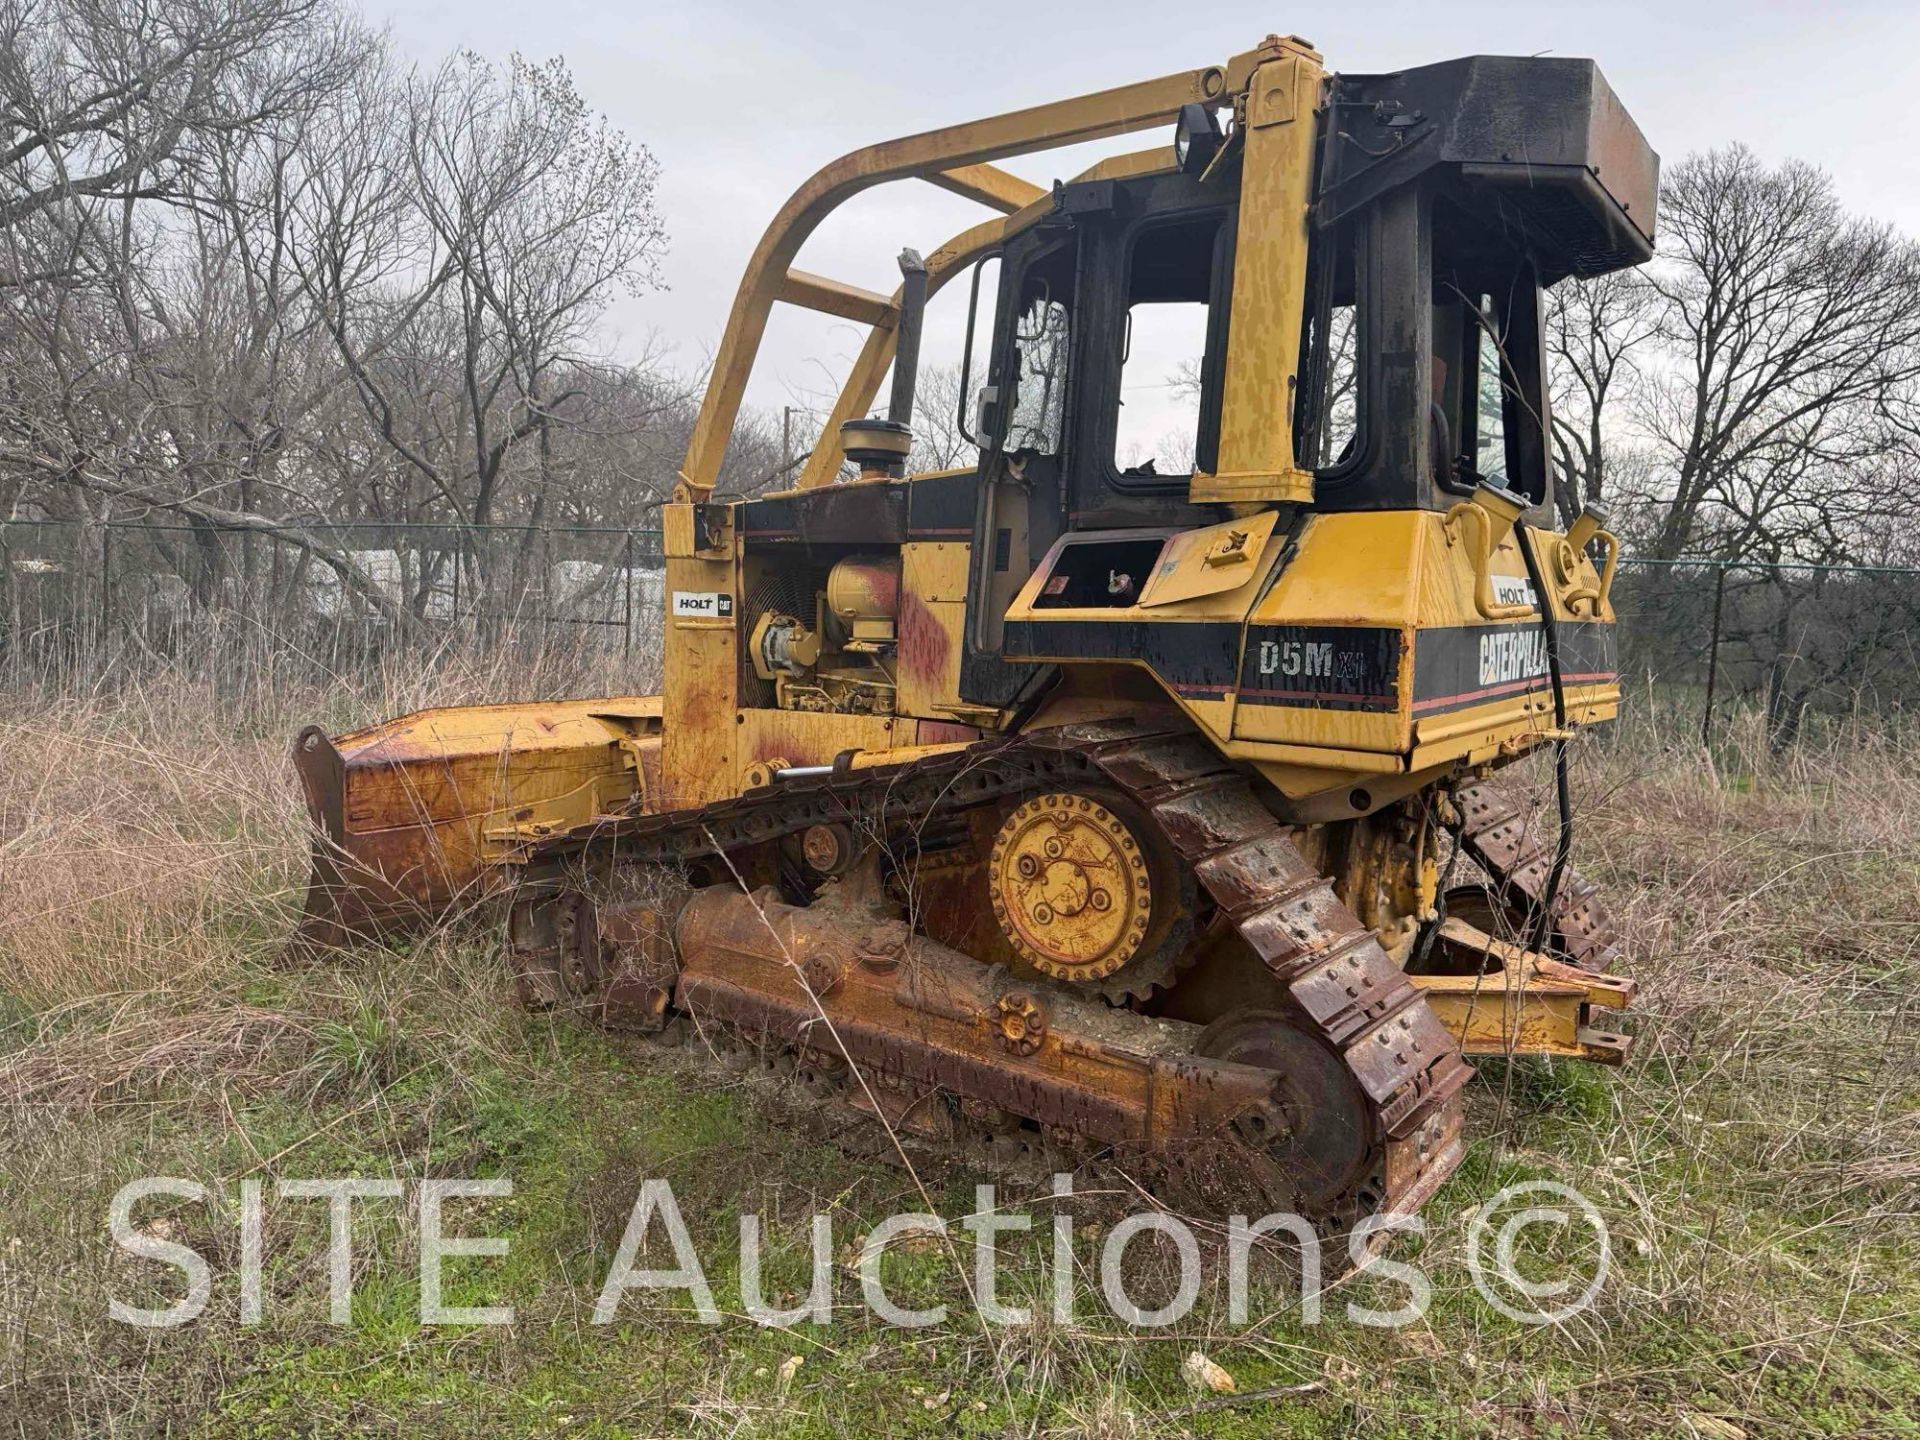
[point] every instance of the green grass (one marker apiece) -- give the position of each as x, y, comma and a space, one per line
576, 1120
1756, 1164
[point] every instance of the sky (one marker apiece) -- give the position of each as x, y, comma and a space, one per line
741, 100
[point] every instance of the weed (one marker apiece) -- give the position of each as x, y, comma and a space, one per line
1756, 1162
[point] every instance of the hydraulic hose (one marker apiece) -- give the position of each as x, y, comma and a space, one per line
1543, 922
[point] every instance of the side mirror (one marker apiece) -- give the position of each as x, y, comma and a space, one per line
986, 414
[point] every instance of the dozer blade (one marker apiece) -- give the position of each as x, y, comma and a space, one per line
419, 818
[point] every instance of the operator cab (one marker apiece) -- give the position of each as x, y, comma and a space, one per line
1440, 215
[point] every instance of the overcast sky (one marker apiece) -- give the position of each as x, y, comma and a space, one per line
742, 99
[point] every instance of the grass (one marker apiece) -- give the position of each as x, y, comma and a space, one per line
1758, 1164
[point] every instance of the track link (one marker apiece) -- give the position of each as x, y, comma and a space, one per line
1344, 985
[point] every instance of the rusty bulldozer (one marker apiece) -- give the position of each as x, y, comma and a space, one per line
1104, 797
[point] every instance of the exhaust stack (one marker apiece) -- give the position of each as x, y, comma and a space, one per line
880, 447
906, 345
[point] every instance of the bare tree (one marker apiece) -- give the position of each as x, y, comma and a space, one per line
938, 441
151, 329
464, 267
1596, 332
266, 279
119, 99
1751, 397
1789, 326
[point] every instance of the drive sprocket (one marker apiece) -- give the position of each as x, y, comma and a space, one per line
1084, 893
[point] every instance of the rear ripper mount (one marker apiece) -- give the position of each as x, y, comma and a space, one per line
1339, 1102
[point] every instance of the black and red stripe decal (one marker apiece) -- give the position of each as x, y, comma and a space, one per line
1329, 667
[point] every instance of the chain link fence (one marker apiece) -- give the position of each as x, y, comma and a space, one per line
1795, 641
79, 598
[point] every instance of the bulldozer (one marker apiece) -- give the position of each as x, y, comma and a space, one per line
1131, 794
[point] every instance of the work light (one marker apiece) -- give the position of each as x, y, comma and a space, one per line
1196, 138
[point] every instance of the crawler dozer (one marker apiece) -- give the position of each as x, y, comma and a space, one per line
1132, 792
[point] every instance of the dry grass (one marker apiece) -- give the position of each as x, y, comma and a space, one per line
141, 841
1775, 907
151, 829
1759, 1162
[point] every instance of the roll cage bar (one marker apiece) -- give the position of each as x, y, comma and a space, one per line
956, 158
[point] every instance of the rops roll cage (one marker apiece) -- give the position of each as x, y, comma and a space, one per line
957, 158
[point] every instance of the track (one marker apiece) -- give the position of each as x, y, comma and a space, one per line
1498, 831
1364, 1080
1344, 987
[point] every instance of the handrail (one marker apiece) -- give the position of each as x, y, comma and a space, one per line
1480, 552
1593, 595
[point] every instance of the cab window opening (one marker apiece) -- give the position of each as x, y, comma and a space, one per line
1493, 392
1327, 403
1488, 414
1040, 355
1168, 347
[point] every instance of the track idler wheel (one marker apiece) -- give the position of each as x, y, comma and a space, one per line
1323, 1146
554, 946
612, 956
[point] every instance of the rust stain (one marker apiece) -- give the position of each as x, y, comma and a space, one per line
941, 1018
402, 812
768, 738
881, 581
924, 646
647, 759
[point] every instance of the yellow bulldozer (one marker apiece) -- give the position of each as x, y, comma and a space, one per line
1116, 795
